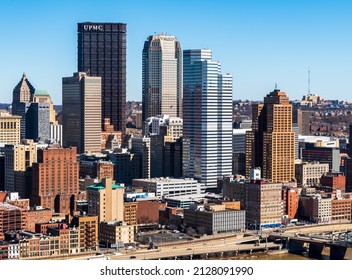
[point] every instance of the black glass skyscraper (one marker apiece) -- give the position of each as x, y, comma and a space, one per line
102, 52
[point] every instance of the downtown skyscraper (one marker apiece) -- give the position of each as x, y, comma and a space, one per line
102, 53
271, 143
81, 112
162, 77
207, 118
22, 96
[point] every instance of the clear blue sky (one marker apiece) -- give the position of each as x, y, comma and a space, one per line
259, 42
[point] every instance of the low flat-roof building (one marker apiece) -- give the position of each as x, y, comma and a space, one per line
212, 219
114, 232
169, 187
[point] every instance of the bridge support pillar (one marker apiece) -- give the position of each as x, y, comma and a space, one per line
315, 250
337, 252
295, 246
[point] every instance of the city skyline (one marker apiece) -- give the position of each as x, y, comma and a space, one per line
260, 44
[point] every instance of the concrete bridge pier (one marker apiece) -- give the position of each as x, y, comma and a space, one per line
337, 252
295, 246
315, 250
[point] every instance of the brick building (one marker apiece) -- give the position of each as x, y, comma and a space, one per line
37, 215
341, 210
290, 198
148, 211
130, 213
11, 218
55, 179
335, 180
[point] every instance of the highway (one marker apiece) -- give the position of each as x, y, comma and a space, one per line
221, 243
206, 248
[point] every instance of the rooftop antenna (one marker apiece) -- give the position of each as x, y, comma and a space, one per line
308, 80
275, 86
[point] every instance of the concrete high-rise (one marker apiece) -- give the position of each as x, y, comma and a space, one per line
271, 143
10, 128
102, 53
105, 200
162, 76
81, 112
18, 158
207, 118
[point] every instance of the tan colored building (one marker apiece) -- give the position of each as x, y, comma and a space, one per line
88, 232
261, 199
105, 200
19, 158
39, 246
233, 205
114, 232
130, 213
55, 179
10, 128
162, 76
81, 112
341, 210
263, 204
271, 143
105, 169
109, 136
308, 174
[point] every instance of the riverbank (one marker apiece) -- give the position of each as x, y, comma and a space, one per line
269, 255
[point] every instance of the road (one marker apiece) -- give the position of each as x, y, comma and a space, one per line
221, 243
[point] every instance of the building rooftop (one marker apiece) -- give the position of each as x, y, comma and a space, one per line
166, 179
100, 186
7, 206
41, 92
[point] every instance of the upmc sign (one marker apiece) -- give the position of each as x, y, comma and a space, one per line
93, 27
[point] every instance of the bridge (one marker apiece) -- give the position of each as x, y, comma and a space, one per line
206, 251
338, 245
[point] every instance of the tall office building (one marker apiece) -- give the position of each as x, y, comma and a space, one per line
55, 179
10, 128
207, 118
38, 121
42, 96
141, 147
18, 158
105, 200
102, 52
81, 112
162, 76
21, 96
271, 143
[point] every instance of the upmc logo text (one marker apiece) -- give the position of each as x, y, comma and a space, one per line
93, 27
